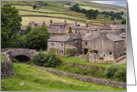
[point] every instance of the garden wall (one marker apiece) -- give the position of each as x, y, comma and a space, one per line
88, 79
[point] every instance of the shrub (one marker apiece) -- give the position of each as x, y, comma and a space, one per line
53, 61
27, 30
40, 59
69, 52
101, 58
14, 60
76, 51
116, 72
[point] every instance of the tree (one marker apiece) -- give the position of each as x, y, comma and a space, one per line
20, 42
124, 21
10, 25
37, 38
28, 29
112, 18
34, 6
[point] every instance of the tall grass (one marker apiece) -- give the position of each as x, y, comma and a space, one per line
29, 78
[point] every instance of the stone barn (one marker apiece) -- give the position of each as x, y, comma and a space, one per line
106, 45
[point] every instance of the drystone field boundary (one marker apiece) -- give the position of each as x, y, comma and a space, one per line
85, 78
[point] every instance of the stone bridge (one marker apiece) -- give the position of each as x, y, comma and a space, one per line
21, 54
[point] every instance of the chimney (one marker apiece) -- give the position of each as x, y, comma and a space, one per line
43, 23
35, 24
50, 21
29, 23
65, 21
86, 25
32, 21
75, 23
103, 33
78, 24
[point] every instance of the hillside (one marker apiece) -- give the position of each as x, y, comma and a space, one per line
34, 79
56, 10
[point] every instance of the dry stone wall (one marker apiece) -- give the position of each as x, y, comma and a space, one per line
88, 79
6, 67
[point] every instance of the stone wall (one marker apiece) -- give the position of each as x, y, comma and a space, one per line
88, 79
6, 67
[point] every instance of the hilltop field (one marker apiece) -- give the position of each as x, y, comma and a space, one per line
56, 10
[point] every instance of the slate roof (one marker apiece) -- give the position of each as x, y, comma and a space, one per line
93, 28
58, 30
57, 24
110, 36
90, 36
119, 26
65, 38
59, 38
79, 27
123, 35
114, 37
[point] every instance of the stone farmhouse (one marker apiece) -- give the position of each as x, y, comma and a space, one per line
61, 43
103, 44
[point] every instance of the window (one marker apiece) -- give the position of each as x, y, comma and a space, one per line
52, 44
61, 51
110, 53
103, 55
61, 44
86, 43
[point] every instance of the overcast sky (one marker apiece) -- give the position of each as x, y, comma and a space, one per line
119, 3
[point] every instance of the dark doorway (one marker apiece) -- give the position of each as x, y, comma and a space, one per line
85, 51
22, 58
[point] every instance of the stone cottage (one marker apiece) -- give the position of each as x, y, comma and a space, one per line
61, 43
57, 24
102, 44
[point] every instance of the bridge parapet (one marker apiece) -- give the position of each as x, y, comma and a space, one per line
16, 52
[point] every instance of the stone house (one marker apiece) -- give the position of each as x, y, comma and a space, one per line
57, 24
102, 44
32, 24
123, 36
61, 43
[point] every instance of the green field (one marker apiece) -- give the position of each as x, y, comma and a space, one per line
79, 61
29, 78
27, 20
31, 8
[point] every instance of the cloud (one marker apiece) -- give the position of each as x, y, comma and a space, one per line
119, 3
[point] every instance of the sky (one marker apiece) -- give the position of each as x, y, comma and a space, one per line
119, 3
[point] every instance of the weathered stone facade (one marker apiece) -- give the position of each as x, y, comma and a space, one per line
61, 43
108, 46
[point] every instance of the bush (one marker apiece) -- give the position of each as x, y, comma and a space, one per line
101, 58
47, 60
40, 59
68, 52
53, 61
116, 72
14, 60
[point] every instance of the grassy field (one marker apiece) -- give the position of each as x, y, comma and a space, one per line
27, 20
29, 78
79, 61
3, 57
31, 8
